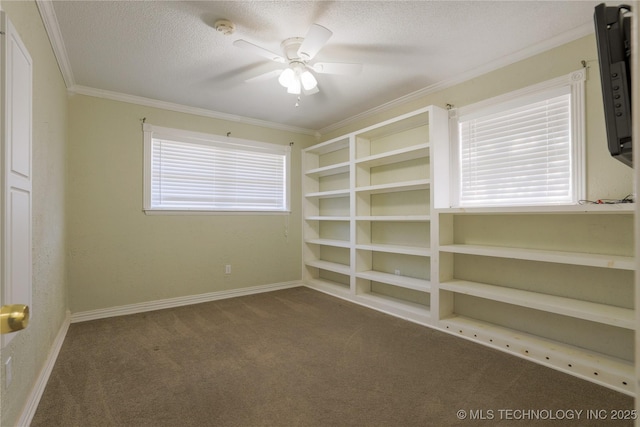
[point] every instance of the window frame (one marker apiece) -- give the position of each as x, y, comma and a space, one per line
152, 132
574, 84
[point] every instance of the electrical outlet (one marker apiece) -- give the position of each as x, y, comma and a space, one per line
227, 269
397, 272
8, 372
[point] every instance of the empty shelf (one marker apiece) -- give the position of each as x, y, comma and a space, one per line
559, 257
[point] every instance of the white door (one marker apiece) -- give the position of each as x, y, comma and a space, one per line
16, 135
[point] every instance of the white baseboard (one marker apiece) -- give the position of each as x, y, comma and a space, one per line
33, 400
142, 307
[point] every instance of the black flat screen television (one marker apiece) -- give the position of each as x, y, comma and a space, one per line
613, 36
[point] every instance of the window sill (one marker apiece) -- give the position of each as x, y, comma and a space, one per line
208, 212
595, 208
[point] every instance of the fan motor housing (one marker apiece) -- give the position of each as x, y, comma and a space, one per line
290, 48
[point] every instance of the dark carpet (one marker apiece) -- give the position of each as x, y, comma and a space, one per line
298, 357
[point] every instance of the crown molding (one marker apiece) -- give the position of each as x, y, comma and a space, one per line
520, 55
52, 28
50, 21
149, 102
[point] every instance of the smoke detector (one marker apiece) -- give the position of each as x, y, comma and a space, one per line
224, 26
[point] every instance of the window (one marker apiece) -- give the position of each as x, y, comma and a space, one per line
522, 148
195, 172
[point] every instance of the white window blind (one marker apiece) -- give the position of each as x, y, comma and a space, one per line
209, 175
519, 152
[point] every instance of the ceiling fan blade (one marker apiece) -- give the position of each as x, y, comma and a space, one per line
315, 39
243, 44
265, 76
337, 68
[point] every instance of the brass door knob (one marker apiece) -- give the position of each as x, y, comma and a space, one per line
13, 318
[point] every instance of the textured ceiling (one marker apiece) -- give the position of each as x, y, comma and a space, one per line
169, 51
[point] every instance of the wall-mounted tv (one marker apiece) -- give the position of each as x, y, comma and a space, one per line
613, 36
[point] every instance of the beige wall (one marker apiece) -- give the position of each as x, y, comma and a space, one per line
29, 349
606, 177
119, 256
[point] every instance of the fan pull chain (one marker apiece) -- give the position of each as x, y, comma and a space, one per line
298, 102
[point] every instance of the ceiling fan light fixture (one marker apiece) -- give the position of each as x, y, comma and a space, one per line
308, 80
294, 87
299, 75
295, 78
310, 91
287, 77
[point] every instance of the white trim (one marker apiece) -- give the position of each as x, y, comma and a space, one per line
156, 211
613, 208
149, 102
452, 163
142, 307
579, 132
536, 49
146, 166
50, 21
31, 405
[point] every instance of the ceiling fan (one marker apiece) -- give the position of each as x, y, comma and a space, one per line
298, 52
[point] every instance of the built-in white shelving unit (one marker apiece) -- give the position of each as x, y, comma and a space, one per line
553, 284
392, 178
327, 216
367, 214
